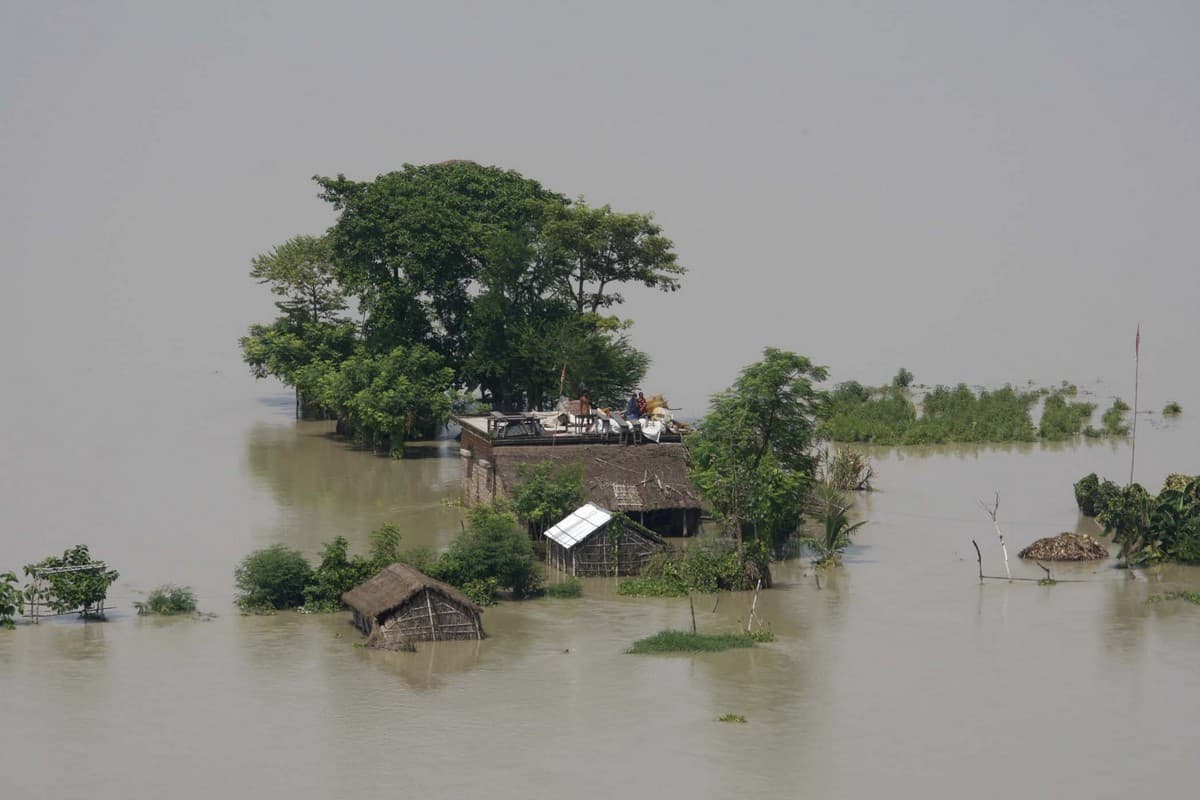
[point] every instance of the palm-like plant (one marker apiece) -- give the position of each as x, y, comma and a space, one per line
830, 507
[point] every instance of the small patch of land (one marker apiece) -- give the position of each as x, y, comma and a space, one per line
685, 642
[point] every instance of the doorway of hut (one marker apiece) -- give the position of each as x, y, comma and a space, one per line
669, 521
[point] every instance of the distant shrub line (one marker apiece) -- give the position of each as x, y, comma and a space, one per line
887, 415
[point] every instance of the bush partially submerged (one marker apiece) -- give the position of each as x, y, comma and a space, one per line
1093, 496
337, 574
493, 546
684, 642
571, 587
168, 600
272, 578
1114, 419
849, 470
711, 564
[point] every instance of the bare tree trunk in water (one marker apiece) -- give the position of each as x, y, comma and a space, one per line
991, 512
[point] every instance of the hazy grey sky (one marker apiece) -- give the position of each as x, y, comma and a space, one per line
988, 192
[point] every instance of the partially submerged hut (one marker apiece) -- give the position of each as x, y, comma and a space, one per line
593, 541
401, 605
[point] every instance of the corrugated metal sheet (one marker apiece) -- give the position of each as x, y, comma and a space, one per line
578, 525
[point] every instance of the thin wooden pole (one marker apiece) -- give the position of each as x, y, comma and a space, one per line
979, 558
692, 603
754, 605
1137, 368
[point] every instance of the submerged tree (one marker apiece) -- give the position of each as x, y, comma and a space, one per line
752, 455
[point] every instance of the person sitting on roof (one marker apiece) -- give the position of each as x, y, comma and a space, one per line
643, 408
632, 411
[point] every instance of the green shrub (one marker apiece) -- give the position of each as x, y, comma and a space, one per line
903, 379
736, 718
1113, 419
546, 492
492, 546
1172, 409
482, 591
337, 574
1063, 420
271, 578
686, 642
385, 546
571, 587
168, 600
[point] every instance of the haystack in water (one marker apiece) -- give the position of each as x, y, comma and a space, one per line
402, 605
1066, 547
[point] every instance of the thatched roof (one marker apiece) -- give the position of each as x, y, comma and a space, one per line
657, 474
394, 586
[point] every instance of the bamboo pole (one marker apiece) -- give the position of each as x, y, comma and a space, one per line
1137, 359
754, 606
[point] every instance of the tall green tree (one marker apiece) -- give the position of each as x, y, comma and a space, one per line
301, 272
603, 249
310, 329
752, 456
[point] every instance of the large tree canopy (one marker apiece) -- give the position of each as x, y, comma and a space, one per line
499, 280
412, 243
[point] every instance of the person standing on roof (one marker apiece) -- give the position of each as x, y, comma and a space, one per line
631, 410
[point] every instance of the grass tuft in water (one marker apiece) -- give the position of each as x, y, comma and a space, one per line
1191, 597
732, 718
685, 642
571, 587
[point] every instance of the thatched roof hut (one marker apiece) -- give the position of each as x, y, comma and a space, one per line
593, 541
401, 605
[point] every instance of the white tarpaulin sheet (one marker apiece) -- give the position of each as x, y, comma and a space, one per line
578, 525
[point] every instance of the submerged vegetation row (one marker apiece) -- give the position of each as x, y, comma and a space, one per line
891, 415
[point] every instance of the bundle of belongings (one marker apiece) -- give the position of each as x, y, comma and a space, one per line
648, 417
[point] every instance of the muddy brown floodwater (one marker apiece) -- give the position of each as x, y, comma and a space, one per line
902, 676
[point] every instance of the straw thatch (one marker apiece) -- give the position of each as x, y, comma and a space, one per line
1066, 547
657, 473
401, 605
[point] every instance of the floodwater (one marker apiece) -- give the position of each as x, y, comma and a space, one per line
900, 675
